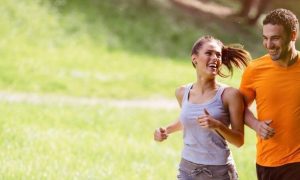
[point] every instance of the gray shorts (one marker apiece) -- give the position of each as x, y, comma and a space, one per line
192, 171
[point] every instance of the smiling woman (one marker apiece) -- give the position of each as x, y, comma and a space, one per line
208, 108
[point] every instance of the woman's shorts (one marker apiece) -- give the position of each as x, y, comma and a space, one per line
191, 171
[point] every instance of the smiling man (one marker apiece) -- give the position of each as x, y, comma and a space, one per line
273, 81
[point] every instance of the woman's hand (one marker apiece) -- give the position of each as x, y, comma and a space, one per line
160, 134
206, 121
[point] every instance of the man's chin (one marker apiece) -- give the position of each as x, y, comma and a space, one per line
275, 58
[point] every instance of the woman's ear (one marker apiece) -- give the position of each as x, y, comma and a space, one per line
194, 57
194, 60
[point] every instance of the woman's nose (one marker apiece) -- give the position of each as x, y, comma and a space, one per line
214, 57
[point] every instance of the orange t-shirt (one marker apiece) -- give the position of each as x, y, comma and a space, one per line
276, 91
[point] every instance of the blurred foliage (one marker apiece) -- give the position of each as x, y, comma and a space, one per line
77, 47
154, 27
292, 5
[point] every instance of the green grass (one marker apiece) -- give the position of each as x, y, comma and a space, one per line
108, 49
93, 142
75, 48
83, 142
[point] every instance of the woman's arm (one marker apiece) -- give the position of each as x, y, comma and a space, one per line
233, 100
162, 133
235, 103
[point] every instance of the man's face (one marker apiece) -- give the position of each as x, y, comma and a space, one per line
276, 42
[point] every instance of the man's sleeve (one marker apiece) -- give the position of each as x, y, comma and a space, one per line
247, 85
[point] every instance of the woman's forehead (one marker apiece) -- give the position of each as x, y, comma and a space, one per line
212, 45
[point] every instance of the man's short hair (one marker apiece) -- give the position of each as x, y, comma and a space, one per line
283, 17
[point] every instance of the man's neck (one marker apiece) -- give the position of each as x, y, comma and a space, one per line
289, 60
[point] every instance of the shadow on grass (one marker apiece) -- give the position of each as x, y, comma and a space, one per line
159, 28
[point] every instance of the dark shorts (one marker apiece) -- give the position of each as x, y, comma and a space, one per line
191, 171
285, 172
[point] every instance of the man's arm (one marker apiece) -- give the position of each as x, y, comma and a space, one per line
262, 128
250, 119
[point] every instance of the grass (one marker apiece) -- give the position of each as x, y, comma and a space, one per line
104, 49
81, 142
93, 142
69, 47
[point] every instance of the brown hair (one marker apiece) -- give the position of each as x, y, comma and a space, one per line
283, 17
231, 55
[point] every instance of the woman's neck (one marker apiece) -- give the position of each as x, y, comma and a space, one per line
204, 85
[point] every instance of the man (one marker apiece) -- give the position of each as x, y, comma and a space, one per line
273, 81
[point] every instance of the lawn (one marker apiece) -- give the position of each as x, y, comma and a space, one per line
47, 141
108, 49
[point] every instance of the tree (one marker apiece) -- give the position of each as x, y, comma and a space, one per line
251, 10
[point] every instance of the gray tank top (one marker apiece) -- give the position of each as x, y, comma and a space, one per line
202, 145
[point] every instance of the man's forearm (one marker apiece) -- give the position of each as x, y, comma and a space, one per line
250, 119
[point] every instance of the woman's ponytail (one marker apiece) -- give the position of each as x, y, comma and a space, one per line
234, 56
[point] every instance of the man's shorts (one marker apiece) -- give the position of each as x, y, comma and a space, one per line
285, 172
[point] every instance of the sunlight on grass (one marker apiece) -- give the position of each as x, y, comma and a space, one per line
100, 49
51, 142
61, 48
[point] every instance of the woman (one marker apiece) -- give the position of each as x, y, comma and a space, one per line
208, 108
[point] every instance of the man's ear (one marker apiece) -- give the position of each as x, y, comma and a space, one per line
294, 35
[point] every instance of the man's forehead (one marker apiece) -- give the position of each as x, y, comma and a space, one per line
273, 30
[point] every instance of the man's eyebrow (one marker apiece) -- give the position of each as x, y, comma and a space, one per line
271, 36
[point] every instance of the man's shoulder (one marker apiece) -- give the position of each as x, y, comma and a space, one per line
261, 59
258, 62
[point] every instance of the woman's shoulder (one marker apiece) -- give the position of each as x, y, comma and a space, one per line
231, 93
231, 90
179, 92
227, 88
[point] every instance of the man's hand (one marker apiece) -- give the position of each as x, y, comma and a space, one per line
264, 130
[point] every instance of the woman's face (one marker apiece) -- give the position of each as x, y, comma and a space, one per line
208, 60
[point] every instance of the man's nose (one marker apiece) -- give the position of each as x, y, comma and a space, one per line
269, 44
